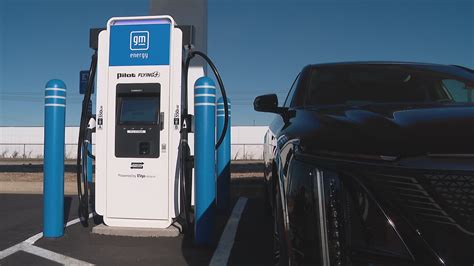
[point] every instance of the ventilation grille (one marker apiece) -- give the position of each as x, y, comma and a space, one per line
431, 197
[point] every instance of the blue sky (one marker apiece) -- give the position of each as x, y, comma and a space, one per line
259, 46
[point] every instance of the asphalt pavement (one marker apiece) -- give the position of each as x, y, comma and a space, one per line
22, 220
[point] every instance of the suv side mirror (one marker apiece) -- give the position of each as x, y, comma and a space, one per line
266, 103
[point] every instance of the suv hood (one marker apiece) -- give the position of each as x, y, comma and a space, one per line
388, 130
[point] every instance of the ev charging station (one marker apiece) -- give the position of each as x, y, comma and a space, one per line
144, 132
137, 136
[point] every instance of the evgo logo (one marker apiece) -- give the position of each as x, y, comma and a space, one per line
139, 40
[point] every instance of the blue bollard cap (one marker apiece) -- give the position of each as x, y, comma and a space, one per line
56, 83
204, 81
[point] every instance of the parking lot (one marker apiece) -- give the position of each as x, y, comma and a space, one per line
246, 238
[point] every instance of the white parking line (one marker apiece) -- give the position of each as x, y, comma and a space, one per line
27, 246
222, 252
32, 240
50, 255
7, 252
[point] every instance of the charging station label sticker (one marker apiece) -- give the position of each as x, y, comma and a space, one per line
138, 45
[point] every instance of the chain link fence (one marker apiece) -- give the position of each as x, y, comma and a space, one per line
35, 151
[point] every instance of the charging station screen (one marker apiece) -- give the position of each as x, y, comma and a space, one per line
139, 110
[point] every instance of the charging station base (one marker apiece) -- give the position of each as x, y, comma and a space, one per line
102, 229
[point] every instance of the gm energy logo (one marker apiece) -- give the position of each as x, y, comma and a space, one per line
140, 45
139, 40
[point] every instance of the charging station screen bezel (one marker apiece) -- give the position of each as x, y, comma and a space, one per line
150, 106
138, 139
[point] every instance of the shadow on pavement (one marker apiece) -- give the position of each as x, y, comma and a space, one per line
67, 208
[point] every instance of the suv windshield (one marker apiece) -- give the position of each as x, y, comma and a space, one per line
371, 84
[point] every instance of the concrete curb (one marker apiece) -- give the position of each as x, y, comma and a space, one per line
135, 232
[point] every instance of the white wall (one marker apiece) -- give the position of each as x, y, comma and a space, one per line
27, 142
247, 142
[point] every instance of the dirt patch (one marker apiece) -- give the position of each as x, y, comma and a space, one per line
33, 172
31, 177
247, 178
71, 177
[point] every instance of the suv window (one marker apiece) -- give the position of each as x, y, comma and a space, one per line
291, 93
374, 84
457, 91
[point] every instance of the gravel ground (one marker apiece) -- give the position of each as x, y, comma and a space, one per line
31, 177
71, 177
27, 177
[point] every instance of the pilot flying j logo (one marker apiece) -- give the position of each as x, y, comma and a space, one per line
154, 74
139, 40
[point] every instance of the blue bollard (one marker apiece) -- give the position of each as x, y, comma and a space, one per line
53, 186
205, 159
89, 160
223, 159
89, 148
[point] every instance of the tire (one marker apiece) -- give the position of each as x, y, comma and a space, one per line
280, 248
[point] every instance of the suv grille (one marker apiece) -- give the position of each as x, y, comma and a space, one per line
446, 198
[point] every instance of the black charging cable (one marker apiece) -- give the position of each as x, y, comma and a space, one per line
186, 165
222, 89
82, 149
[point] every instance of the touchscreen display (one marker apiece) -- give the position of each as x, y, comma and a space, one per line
139, 110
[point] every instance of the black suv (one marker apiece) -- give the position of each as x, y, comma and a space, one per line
372, 163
